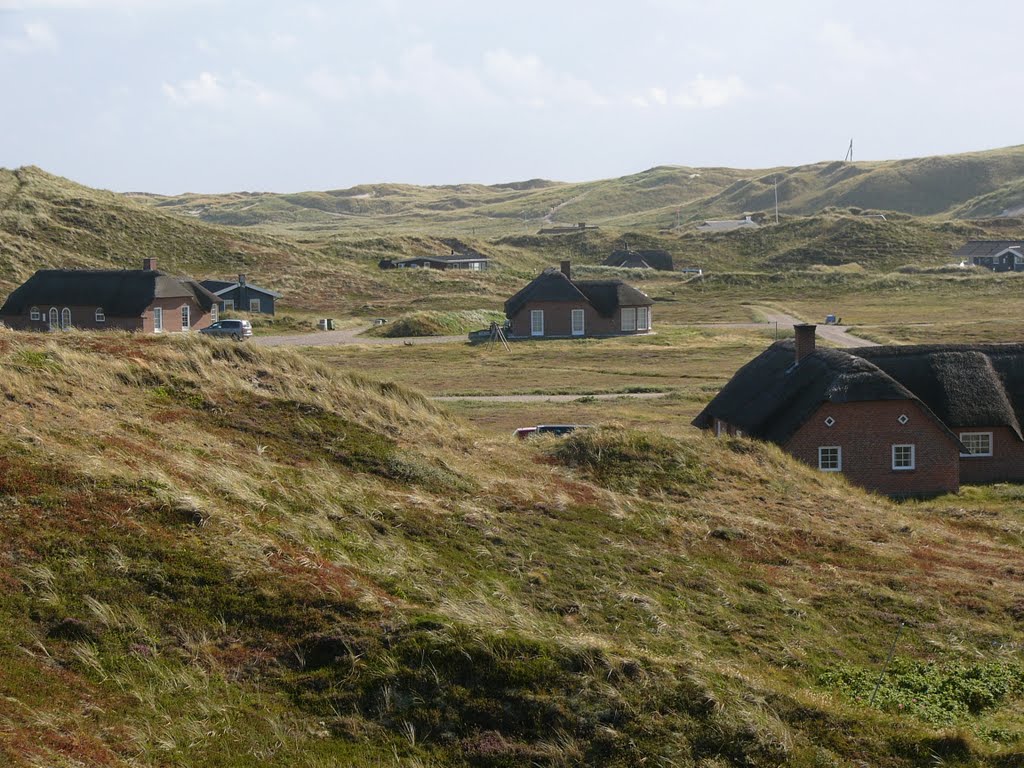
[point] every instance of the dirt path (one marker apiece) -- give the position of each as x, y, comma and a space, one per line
546, 398
837, 334
348, 336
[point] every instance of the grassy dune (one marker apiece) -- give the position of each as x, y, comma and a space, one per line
217, 555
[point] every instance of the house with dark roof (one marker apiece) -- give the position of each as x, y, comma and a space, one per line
640, 259
242, 295
553, 305
997, 255
471, 261
900, 420
144, 300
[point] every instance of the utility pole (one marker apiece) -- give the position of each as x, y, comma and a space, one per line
849, 153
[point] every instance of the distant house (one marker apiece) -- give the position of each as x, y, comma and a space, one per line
902, 420
553, 305
642, 259
474, 261
566, 229
242, 295
997, 255
728, 225
144, 300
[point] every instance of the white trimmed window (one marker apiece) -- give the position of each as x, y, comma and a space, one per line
65, 318
158, 319
629, 318
34, 314
643, 318
903, 457
830, 458
54, 318
536, 322
254, 305
977, 443
186, 317
229, 305
577, 322
214, 312
100, 316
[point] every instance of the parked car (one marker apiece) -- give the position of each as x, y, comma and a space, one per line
238, 330
548, 429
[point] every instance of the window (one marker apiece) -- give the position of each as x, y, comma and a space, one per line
577, 322
213, 313
100, 316
186, 317
229, 305
643, 318
476, 266
35, 313
54, 322
254, 305
536, 322
902, 457
629, 318
158, 319
65, 318
977, 443
830, 458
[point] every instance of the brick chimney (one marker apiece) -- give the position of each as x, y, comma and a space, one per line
148, 265
567, 269
241, 279
804, 340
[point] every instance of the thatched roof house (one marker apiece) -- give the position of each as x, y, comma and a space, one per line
649, 258
903, 420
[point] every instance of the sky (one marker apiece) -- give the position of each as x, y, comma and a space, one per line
173, 96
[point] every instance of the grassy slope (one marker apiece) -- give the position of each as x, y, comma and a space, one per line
213, 555
972, 184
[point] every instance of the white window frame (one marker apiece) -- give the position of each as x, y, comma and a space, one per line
643, 318
65, 318
214, 313
54, 318
628, 319
186, 317
839, 458
229, 305
581, 328
101, 316
913, 457
536, 322
965, 436
255, 305
158, 319
34, 313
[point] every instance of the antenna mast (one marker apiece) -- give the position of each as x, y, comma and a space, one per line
849, 153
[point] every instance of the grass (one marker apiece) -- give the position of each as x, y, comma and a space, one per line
219, 555
435, 323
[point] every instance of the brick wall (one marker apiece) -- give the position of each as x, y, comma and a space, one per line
172, 315
866, 433
1006, 464
558, 320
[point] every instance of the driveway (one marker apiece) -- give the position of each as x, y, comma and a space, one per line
837, 334
348, 336
546, 398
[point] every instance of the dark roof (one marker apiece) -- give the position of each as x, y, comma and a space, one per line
606, 296
960, 386
975, 248
654, 259
121, 293
223, 286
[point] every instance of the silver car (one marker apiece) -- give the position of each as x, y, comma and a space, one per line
236, 329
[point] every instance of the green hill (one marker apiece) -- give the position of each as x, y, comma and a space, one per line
212, 555
971, 185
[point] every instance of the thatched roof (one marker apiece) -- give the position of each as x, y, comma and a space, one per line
606, 296
982, 248
121, 293
649, 258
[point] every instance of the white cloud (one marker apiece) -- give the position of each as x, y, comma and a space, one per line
89, 5
845, 45
709, 92
332, 87
209, 90
527, 80
36, 36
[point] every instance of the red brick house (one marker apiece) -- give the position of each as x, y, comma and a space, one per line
553, 305
901, 420
144, 300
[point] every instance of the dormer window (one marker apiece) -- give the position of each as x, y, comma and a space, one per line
100, 316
